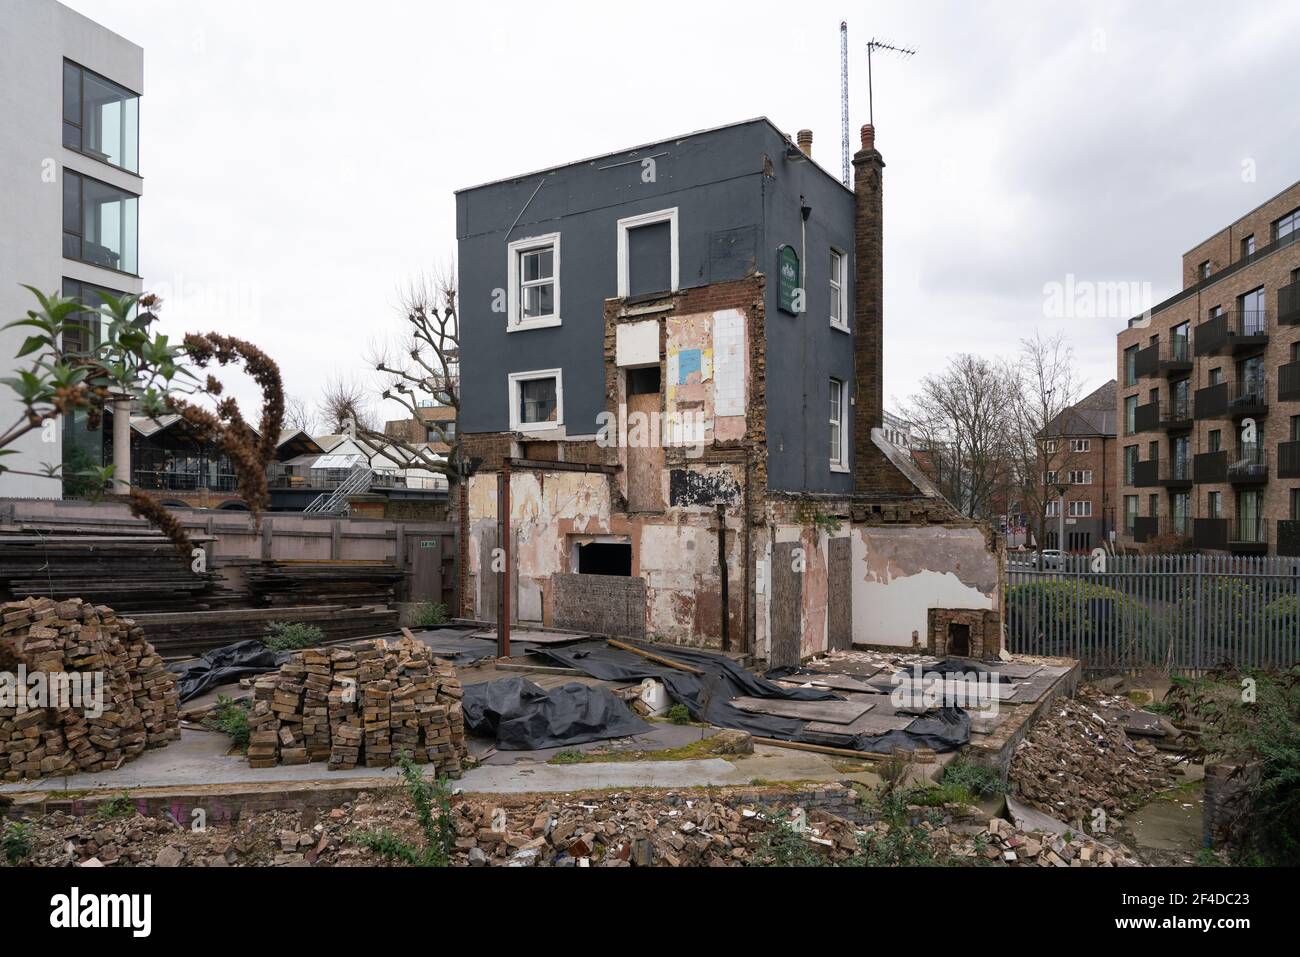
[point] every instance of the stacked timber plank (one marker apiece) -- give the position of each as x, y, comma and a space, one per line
125, 701
192, 633
130, 573
366, 703
335, 582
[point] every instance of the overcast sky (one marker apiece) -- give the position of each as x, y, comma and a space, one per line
300, 157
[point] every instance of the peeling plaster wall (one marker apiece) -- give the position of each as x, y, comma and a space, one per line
900, 573
815, 597
544, 509
675, 552
707, 372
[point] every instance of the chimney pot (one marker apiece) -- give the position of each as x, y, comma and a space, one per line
805, 142
868, 136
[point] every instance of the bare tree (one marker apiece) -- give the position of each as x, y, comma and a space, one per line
1042, 392
346, 406
961, 420
422, 370
299, 416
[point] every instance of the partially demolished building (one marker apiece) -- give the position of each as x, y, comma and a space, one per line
671, 405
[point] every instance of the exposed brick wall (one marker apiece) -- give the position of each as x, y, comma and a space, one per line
873, 473
486, 450
746, 295
604, 604
984, 628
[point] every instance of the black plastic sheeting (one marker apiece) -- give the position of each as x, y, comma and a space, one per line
523, 717
224, 665
708, 698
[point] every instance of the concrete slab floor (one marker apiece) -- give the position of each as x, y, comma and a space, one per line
200, 758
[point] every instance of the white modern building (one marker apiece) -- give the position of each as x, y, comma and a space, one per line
70, 187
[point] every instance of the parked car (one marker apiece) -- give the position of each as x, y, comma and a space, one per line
1049, 559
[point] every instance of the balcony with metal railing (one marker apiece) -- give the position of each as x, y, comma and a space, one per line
1249, 466
1248, 398
1288, 382
1235, 331
1288, 460
1288, 305
1210, 533
1146, 474
1175, 356
1248, 535
1210, 468
1176, 472
1211, 402
1147, 361
1146, 418
1176, 414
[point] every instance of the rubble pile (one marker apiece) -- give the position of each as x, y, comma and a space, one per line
1074, 761
1034, 848
658, 829
366, 703
93, 693
272, 838
610, 831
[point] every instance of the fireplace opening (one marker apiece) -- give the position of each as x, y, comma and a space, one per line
959, 639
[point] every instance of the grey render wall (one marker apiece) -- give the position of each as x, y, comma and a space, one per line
804, 352
35, 36
731, 220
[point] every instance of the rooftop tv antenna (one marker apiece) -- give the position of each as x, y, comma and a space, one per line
844, 102
873, 45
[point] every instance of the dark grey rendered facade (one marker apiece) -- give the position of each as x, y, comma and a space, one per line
740, 192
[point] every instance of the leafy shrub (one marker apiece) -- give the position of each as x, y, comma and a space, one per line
120, 806
783, 846
17, 841
432, 802
429, 615
288, 635
1064, 610
897, 847
1263, 736
83, 475
230, 718
978, 780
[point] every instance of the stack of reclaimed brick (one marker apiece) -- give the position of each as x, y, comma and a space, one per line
105, 695
364, 704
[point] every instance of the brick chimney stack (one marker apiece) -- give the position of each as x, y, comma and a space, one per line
805, 142
868, 313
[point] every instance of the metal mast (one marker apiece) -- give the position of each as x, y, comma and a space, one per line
844, 102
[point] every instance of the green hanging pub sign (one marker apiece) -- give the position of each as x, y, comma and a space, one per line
787, 270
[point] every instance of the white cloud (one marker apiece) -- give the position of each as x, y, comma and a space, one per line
300, 157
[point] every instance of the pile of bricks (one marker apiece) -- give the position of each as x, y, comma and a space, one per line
366, 703
124, 701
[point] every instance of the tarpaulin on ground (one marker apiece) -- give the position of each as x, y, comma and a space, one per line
521, 716
707, 697
224, 665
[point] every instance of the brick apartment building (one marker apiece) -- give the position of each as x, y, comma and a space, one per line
1077, 458
672, 363
1209, 394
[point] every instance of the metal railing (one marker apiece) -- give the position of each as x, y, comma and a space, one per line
336, 502
1250, 464
1185, 612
